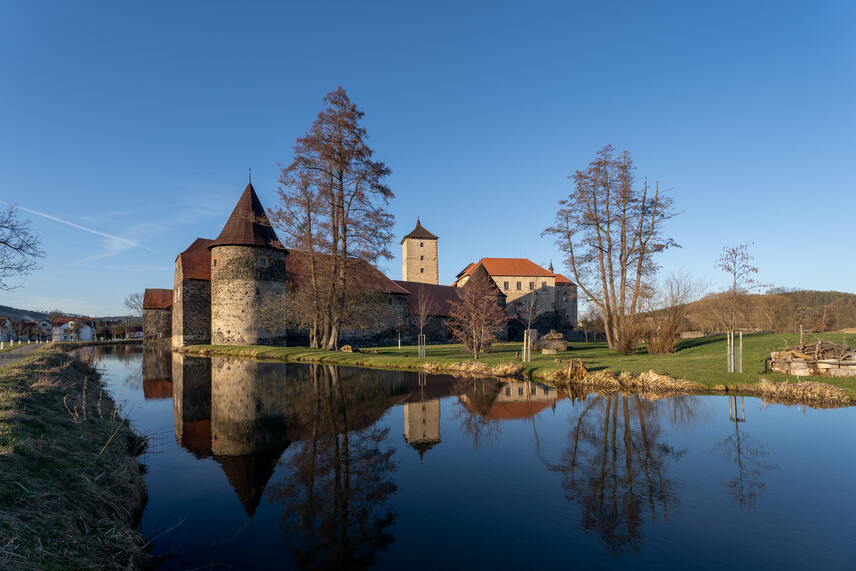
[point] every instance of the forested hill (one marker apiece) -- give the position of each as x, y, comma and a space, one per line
777, 310
19, 314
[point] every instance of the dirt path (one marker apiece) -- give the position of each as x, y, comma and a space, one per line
7, 357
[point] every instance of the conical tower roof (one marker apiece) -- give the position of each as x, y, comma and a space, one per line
248, 225
419, 233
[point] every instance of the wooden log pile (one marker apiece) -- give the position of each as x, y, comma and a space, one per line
820, 351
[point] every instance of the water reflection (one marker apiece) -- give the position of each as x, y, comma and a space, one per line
615, 465
336, 494
749, 457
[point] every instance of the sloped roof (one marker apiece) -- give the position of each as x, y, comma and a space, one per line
63, 320
480, 273
562, 280
196, 260
442, 295
509, 267
248, 225
297, 269
157, 299
419, 233
249, 475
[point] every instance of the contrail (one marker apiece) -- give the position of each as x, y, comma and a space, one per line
85, 229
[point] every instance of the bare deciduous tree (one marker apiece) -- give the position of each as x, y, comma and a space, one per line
19, 248
736, 261
134, 303
477, 318
333, 206
426, 308
667, 310
609, 228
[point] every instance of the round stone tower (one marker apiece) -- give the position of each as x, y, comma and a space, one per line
247, 278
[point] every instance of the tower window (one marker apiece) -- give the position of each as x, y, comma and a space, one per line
421, 270
420, 244
262, 262
421, 258
215, 261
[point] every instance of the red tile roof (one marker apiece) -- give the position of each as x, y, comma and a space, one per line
419, 232
196, 260
248, 225
443, 295
157, 299
513, 267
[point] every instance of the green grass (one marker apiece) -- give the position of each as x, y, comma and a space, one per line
698, 360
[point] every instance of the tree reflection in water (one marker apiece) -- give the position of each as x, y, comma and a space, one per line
472, 413
749, 457
338, 480
616, 464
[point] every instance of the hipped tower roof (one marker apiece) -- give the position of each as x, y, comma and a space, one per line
248, 225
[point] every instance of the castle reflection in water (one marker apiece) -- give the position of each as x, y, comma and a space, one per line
244, 414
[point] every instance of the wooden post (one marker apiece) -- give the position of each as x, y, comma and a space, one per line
741, 352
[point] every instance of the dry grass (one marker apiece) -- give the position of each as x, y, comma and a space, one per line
650, 384
70, 485
474, 369
803, 392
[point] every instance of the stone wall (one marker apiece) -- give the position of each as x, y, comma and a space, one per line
191, 310
191, 402
419, 261
246, 285
805, 367
157, 325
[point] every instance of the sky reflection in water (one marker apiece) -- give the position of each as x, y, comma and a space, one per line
271, 465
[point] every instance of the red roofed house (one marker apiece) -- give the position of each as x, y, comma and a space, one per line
157, 315
525, 284
72, 329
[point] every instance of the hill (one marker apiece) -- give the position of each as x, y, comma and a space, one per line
18, 314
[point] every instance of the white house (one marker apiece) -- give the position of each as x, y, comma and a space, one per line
72, 329
5, 329
45, 329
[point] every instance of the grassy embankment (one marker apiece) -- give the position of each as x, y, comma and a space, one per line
71, 490
701, 361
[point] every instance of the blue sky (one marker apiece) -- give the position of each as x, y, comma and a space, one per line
138, 122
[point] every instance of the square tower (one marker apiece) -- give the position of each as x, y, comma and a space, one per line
419, 256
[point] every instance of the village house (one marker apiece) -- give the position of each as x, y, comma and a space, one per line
72, 329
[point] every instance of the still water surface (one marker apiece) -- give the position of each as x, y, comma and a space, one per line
273, 465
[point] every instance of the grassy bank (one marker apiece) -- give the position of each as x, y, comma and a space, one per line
701, 361
71, 489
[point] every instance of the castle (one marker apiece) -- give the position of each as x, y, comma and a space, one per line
223, 289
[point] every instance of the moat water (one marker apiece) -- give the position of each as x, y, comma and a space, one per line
284, 466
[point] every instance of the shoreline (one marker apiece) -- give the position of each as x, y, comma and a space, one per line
71, 483
784, 391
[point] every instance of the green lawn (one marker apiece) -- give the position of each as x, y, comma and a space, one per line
698, 360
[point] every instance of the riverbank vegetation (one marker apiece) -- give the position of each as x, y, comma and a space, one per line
70, 484
700, 361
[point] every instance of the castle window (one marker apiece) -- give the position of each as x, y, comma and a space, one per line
421, 258
519, 286
520, 391
505, 286
262, 262
420, 244
543, 285
421, 270
531, 286
565, 297
215, 261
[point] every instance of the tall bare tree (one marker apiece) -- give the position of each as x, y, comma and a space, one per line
477, 317
333, 206
609, 229
19, 248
